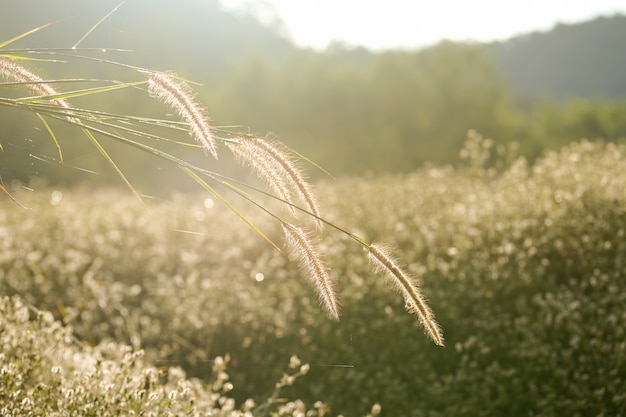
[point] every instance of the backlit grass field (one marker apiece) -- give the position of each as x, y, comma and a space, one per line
523, 266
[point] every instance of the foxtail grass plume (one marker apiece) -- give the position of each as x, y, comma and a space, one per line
274, 163
179, 97
415, 301
265, 168
10, 70
304, 247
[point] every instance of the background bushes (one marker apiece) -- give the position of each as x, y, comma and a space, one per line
523, 266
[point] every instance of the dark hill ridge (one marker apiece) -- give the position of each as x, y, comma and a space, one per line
583, 60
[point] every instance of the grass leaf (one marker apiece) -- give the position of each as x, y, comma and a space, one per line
97, 24
51, 132
23, 35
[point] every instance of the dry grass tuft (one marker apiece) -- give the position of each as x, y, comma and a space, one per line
415, 301
179, 97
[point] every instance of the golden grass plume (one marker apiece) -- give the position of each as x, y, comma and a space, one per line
179, 97
303, 246
274, 163
10, 70
415, 301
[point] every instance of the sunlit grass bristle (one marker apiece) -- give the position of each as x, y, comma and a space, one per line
303, 246
264, 168
179, 97
13, 71
416, 303
274, 163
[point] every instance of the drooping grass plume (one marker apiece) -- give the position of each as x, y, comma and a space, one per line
416, 303
282, 155
10, 70
274, 163
265, 168
303, 246
179, 97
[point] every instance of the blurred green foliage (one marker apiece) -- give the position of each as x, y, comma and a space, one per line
523, 266
349, 109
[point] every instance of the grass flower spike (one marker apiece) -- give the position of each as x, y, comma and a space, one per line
274, 163
304, 247
178, 96
265, 168
416, 303
9, 70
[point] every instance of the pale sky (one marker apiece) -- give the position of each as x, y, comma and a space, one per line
385, 24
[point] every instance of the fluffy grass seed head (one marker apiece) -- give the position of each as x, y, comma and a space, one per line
303, 246
179, 97
10, 70
415, 301
265, 168
274, 163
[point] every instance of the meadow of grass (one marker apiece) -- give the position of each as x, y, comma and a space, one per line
525, 265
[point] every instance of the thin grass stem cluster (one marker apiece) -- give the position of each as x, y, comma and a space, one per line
270, 160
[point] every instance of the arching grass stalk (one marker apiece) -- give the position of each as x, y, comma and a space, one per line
269, 159
23, 35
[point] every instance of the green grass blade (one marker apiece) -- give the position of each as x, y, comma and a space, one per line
97, 24
51, 132
25, 58
23, 35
